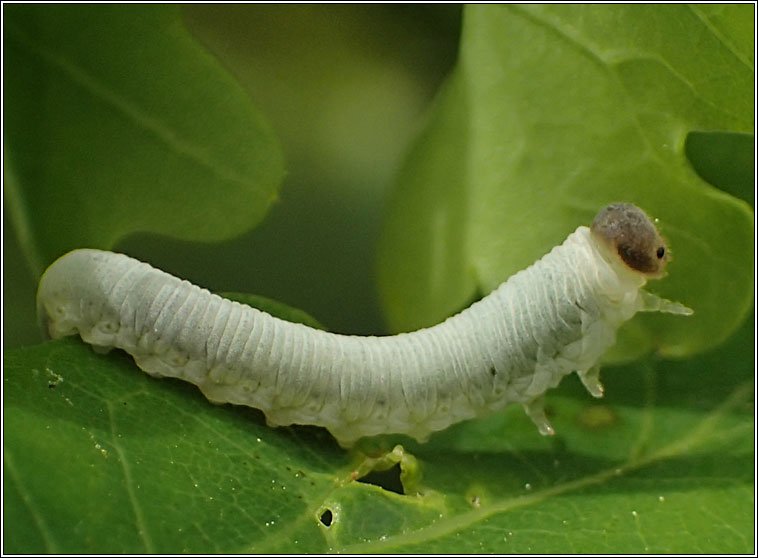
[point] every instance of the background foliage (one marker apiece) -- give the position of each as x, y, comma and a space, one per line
126, 124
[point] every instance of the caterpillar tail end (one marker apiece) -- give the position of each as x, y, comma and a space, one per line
535, 410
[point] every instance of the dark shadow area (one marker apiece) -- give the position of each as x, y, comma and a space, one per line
388, 479
725, 160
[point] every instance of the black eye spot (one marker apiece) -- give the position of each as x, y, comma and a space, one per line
661, 252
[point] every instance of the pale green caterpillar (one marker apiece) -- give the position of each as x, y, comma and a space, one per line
557, 316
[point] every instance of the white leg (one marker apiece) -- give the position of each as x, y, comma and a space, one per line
654, 303
536, 411
591, 380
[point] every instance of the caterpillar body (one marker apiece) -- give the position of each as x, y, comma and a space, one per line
557, 316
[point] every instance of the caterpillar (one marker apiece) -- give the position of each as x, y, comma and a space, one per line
557, 316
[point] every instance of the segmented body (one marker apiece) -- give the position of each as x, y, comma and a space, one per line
555, 317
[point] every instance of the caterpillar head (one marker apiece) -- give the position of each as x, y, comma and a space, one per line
628, 236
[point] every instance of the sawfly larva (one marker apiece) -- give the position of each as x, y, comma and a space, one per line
557, 316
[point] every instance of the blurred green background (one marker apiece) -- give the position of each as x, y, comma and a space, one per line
527, 138
345, 89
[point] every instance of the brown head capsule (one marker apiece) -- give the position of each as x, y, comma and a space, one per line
626, 232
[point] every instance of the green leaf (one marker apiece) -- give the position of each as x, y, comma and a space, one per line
121, 122
99, 457
145, 468
423, 272
556, 111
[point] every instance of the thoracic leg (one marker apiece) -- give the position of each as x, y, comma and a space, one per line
591, 380
536, 411
654, 303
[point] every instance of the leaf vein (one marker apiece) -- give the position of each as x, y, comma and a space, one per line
142, 530
10, 468
698, 435
101, 91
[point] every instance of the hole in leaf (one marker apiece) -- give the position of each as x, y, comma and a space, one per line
725, 160
326, 517
389, 479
